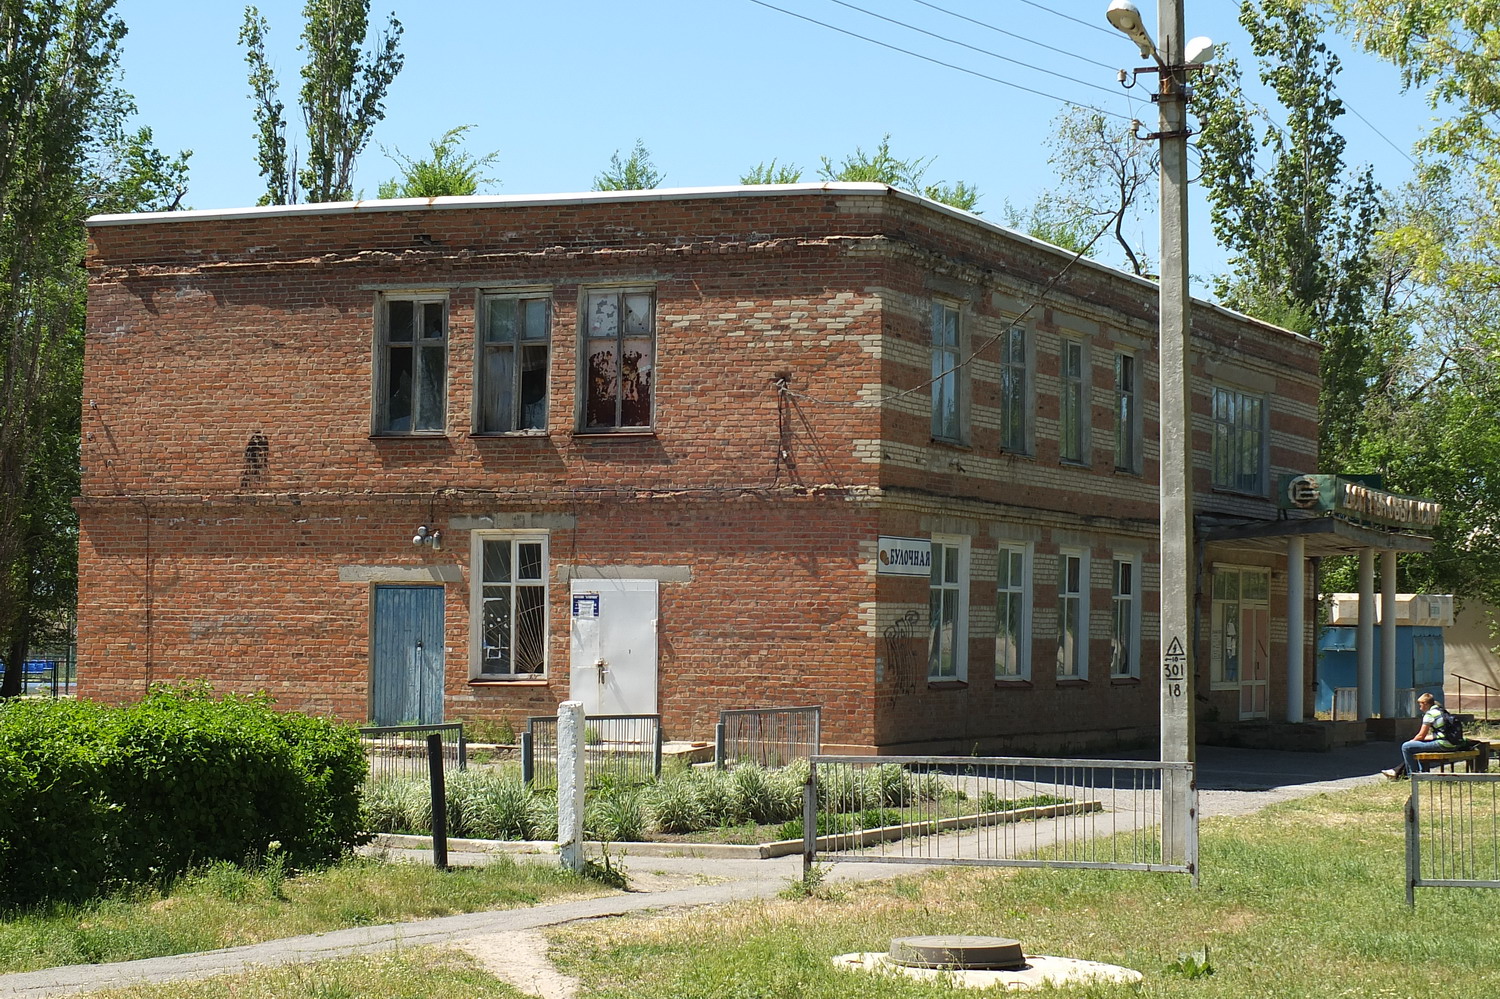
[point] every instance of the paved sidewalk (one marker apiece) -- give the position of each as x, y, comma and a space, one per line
1231, 782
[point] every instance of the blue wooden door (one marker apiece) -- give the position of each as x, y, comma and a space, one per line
406, 655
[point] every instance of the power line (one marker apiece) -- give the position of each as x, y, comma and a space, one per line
1069, 17
938, 62
975, 48
1378, 132
1012, 34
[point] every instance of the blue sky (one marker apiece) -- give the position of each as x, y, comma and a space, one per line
712, 86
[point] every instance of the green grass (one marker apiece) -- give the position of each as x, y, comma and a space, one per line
1306, 899
426, 973
225, 906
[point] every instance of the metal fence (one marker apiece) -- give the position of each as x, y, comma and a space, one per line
624, 749
1000, 811
401, 750
1452, 832
1346, 704
772, 737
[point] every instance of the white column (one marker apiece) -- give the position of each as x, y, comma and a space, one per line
1364, 642
1296, 627
570, 744
1387, 634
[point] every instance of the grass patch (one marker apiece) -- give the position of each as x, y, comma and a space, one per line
226, 906
425, 973
1304, 899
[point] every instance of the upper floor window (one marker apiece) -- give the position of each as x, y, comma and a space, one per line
619, 356
515, 338
1015, 387
1012, 613
1239, 456
1072, 616
945, 373
948, 611
1072, 403
1125, 639
411, 365
510, 604
1127, 415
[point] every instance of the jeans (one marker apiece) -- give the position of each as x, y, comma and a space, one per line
1409, 750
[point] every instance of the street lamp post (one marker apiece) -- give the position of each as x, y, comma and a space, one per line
1175, 428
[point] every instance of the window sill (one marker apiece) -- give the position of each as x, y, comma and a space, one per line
1250, 493
1006, 452
1134, 473
1125, 681
1072, 681
606, 434
498, 682
956, 445
947, 684
1013, 682
425, 435
504, 434
1073, 463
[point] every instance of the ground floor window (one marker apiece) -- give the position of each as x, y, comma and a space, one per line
948, 611
1012, 614
1072, 615
510, 605
1241, 605
1125, 640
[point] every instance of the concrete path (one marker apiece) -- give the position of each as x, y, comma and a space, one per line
1231, 782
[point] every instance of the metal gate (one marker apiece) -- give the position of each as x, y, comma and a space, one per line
997, 811
1452, 832
406, 656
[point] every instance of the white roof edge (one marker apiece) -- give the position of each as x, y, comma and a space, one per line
655, 194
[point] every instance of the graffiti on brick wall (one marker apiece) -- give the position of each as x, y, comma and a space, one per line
900, 655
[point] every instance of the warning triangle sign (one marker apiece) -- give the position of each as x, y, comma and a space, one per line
1175, 649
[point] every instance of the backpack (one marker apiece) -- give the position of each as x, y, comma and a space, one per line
1450, 729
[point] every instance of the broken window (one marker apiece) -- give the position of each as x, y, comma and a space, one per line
412, 362
515, 334
512, 598
619, 330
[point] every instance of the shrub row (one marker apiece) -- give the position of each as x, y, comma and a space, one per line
93, 797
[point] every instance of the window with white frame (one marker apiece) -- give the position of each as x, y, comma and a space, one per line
509, 574
1239, 456
948, 610
1125, 639
1015, 387
618, 359
1073, 403
1240, 603
1012, 614
945, 386
1127, 415
1072, 615
411, 365
511, 376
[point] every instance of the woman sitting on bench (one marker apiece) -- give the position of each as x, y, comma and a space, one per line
1432, 737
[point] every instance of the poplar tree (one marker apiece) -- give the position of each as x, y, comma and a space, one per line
342, 99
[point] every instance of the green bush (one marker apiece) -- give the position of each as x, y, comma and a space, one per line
99, 796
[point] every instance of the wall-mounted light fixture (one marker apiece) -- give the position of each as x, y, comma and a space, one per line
426, 536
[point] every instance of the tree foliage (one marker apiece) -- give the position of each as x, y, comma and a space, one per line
635, 173
772, 173
881, 166
67, 154
342, 99
1298, 226
1106, 177
448, 171
1045, 221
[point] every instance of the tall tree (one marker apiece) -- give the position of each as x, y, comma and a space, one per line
635, 173
66, 154
342, 99
881, 166
1299, 228
448, 171
1106, 176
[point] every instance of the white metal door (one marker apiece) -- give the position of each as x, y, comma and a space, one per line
613, 646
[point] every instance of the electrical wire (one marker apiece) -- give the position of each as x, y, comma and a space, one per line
1070, 17
976, 48
939, 62
1011, 34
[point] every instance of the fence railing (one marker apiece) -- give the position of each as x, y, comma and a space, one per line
1461, 702
1000, 811
1452, 832
772, 737
401, 750
53, 675
1346, 704
625, 749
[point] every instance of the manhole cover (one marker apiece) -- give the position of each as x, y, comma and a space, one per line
958, 953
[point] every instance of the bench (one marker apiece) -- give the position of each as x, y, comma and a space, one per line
1475, 760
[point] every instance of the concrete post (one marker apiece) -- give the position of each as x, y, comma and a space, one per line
570, 746
1364, 638
1178, 722
1296, 627
1388, 634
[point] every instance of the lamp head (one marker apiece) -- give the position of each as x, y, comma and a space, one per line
1198, 50
1126, 18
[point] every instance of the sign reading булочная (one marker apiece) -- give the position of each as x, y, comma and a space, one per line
904, 557
1356, 500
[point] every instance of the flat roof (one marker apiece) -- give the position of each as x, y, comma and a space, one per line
655, 194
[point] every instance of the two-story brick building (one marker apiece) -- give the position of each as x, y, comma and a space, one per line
670, 451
